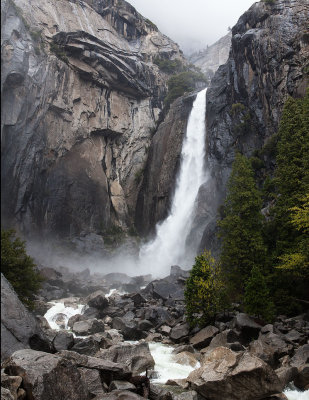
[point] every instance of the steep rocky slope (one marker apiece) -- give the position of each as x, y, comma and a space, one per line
213, 56
268, 62
80, 101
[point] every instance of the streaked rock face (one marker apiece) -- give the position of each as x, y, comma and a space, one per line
81, 99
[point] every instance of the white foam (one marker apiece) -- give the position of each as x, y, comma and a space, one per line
293, 394
60, 308
165, 366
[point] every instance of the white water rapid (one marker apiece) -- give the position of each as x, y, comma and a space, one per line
169, 246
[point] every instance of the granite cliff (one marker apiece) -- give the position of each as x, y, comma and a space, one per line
81, 99
268, 62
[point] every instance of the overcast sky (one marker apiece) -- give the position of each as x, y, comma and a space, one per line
193, 24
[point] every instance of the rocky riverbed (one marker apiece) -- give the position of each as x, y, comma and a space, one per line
97, 337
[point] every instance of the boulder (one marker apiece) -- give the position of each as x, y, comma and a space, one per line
286, 374
270, 348
225, 339
301, 356
204, 337
225, 374
93, 382
46, 376
97, 300
88, 346
190, 395
145, 325
128, 328
249, 329
19, 328
75, 318
63, 341
136, 356
179, 332
301, 379
88, 327
186, 347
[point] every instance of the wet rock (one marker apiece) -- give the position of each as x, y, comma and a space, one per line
93, 382
270, 348
63, 341
225, 374
120, 395
97, 300
225, 339
301, 379
186, 347
43, 322
19, 328
249, 329
136, 356
46, 376
301, 356
12, 383
91, 312
121, 385
278, 396
178, 382
180, 332
190, 395
286, 374
75, 318
88, 327
88, 346
185, 358
204, 337
128, 328
145, 325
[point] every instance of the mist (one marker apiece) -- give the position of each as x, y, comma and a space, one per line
195, 24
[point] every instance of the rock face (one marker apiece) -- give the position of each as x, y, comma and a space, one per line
81, 98
19, 328
162, 166
213, 56
224, 374
267, 63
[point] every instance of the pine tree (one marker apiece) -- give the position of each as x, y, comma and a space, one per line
241, 226
204, 294
19, 268
256, 299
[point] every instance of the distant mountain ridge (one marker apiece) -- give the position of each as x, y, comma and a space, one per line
213, 56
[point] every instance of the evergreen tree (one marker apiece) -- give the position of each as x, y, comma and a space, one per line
19, 268
204, 293
256, 299
292, 174
241, 226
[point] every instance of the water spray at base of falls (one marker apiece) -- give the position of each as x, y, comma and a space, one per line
169, 246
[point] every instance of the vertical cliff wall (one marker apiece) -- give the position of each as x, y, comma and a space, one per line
268, 61
80, 101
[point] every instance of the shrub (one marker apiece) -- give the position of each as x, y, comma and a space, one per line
204, 293
168, 66
182, 83
19, 268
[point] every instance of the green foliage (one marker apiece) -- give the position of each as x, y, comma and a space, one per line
182, 83
151, 24
19, 268
167, 65
271, 2
204, 293
113, 236
139, 175
298, 261
241, 227
59, 52
237, 108
291, 175
257, 299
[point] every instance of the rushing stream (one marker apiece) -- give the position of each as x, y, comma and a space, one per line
169, 246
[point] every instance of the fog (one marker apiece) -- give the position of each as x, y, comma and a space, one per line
193, 24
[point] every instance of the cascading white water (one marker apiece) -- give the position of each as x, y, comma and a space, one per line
169, 245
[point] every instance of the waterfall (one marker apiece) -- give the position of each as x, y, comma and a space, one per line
169, 245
